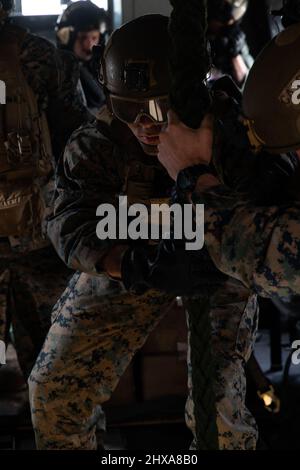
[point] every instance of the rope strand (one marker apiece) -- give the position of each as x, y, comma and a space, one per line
189, 67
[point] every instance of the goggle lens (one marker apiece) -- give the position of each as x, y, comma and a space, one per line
129, 111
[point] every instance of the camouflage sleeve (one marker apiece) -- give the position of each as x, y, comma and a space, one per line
260, 246
54, 75
86, 178
67, 111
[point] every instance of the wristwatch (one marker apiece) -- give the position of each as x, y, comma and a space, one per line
188, 177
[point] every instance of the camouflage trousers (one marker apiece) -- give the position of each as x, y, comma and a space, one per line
97, 328
29, 287
234, 322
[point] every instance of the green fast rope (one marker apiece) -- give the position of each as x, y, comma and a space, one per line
189, 66
203, 372
189, 60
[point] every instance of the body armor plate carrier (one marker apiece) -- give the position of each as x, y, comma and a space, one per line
25, 147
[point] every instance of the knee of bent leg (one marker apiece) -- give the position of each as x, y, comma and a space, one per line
41, 386
35, 388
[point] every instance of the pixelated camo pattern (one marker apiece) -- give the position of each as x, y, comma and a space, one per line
258, 245
234, 321
97, 327
29, 287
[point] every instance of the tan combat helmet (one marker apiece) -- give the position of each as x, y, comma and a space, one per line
5, 7
79, 16
134, 63
271, 99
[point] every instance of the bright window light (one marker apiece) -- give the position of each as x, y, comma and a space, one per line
46, 7
50, 7
101, 3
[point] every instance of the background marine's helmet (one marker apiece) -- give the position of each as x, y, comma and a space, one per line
5, 7
271, 99
77, 17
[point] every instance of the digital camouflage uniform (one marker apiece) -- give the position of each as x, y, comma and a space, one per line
98, 326
32, 277
234, 321
259, 245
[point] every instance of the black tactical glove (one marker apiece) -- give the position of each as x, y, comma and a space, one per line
230, 43
135, 269
234, 40
170, 268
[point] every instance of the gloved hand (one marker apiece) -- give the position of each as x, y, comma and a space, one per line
170, 268
227, 44
135, 269
232, 41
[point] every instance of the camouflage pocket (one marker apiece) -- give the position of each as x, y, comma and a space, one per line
247, 330
21, 212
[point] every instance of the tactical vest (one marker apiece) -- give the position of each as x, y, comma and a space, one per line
25, 147
137, 170
143, 178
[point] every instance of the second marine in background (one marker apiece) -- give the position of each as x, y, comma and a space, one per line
81, 27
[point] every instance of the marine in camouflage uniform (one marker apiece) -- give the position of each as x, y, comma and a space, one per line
82, 26
32, 277
255, 244
98, 325
251, 239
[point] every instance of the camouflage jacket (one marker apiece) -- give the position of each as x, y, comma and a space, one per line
252, 228
102, 160
258, 245
53, 77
